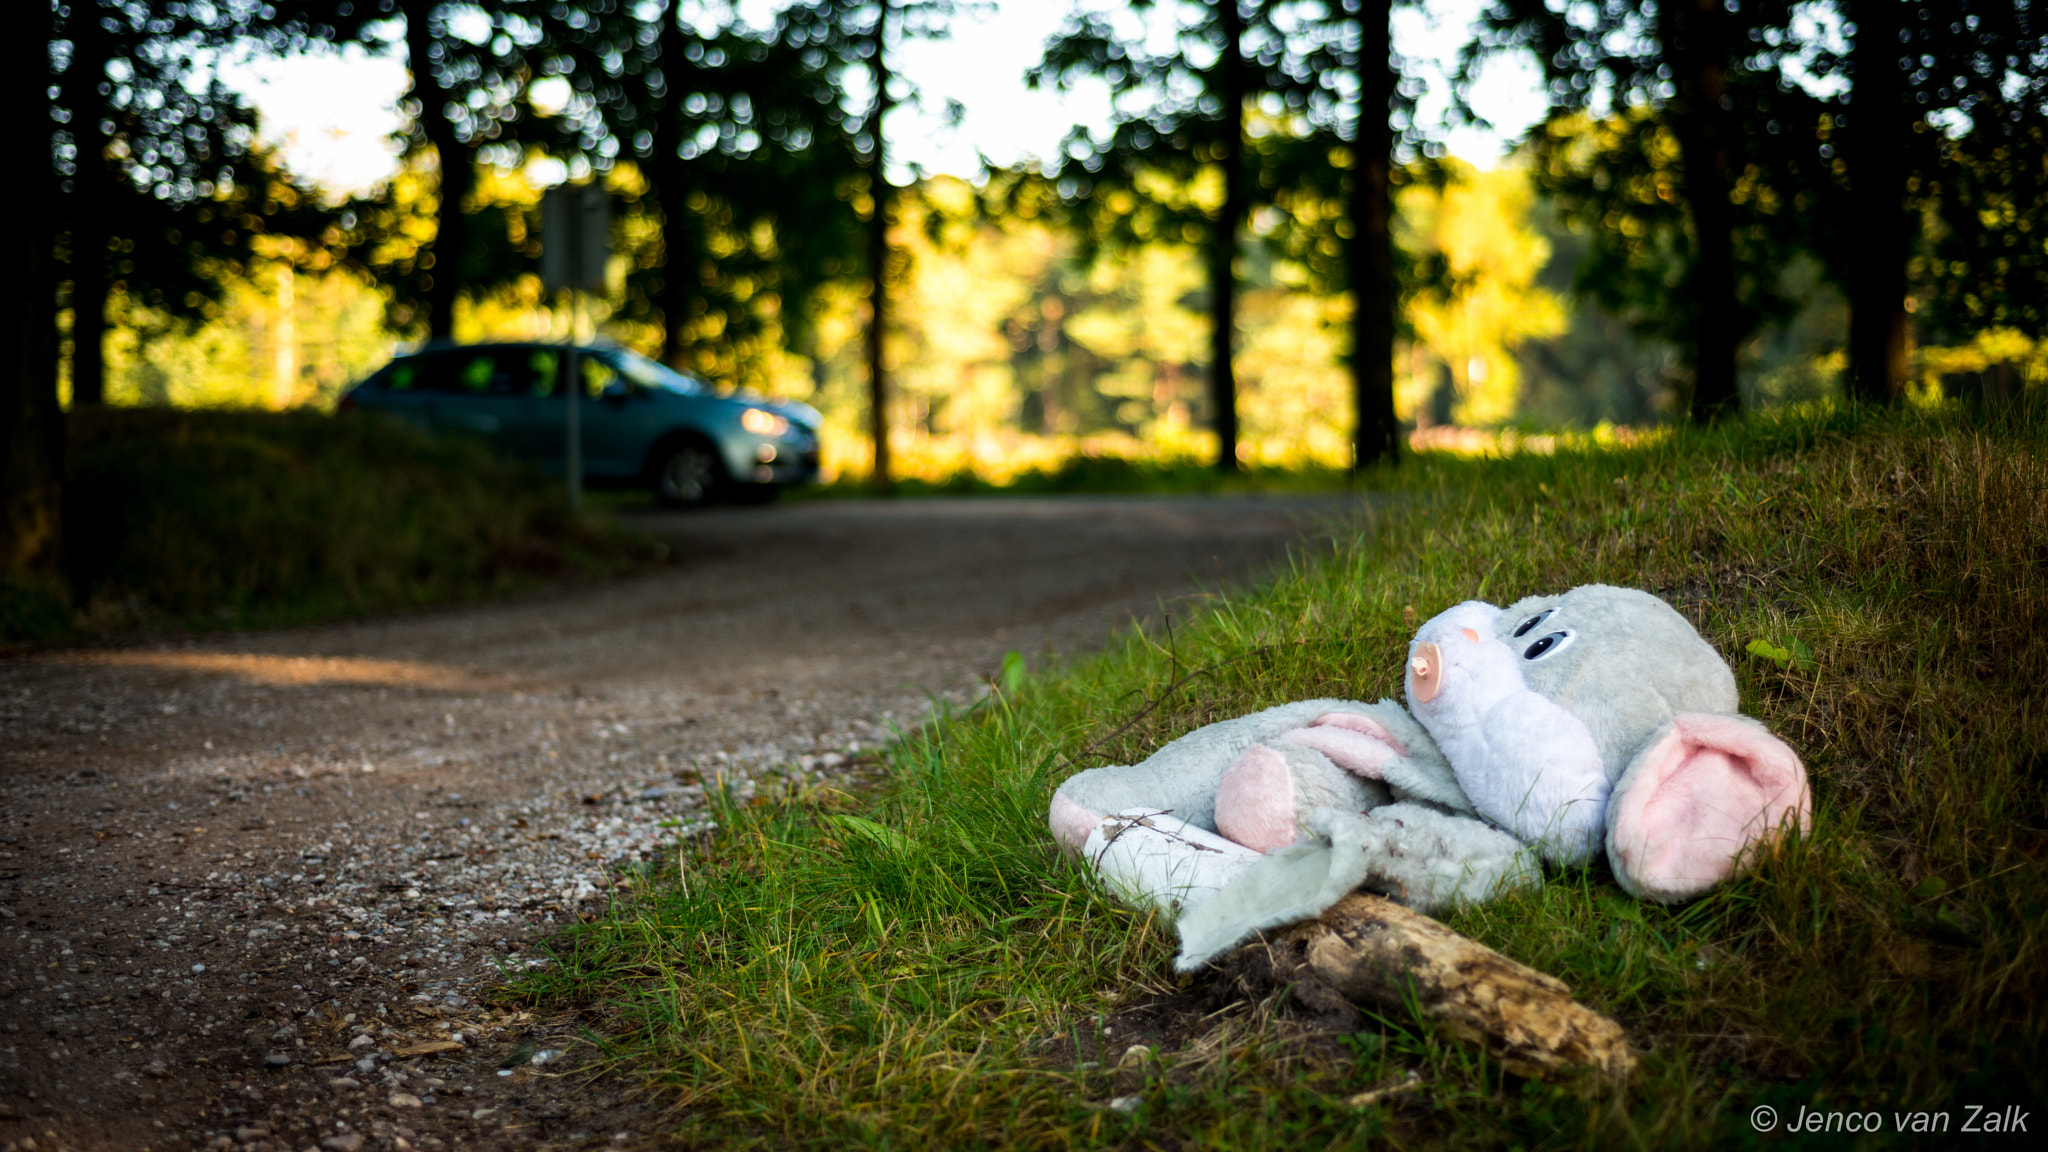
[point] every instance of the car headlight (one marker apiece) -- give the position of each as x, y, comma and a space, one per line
762, 422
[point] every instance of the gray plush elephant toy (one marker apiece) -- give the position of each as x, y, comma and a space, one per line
1557, 730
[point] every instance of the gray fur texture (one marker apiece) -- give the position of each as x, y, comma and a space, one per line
1181, 778
1633, 663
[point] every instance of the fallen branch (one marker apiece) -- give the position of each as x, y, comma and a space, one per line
1371, 951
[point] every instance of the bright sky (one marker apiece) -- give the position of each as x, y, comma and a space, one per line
334, 114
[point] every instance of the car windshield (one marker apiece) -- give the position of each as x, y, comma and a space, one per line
650, 374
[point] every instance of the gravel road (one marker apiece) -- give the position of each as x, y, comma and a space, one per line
254, 889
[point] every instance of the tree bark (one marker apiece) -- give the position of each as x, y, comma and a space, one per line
878, 256
1695, 42
1223, 243
90, 209
1880, 230
1377, 434
1372, 952
672, 191
442, 281
31, 422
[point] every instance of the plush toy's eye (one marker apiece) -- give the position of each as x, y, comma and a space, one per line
1546, 646
1523, 629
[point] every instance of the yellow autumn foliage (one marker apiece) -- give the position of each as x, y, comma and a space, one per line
1007, 349
1478, 225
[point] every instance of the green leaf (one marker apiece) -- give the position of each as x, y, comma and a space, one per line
1769, 651
874, 833
1013, 672
1802, 656
1929, 888
1793, 653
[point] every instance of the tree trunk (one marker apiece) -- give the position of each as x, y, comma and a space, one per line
1377, 435
1695, 42
1223, 244
31, 423
878, 256
1880, 230
90, 211
672, 190
442, 278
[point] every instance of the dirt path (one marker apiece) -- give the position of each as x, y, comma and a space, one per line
254, 889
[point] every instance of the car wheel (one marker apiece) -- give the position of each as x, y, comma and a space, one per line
688, 474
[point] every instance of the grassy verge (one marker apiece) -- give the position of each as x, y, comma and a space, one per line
181, 519
918, 968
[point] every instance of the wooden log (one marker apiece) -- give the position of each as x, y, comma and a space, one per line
1375, 952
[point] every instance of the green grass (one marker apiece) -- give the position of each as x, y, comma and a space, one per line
196, 519
917, 968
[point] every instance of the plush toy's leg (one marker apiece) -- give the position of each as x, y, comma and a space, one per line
1424, 858
1255, 803
1070, 822
1694, 801
1432, 860
1149, 858
1270, 789
1382, 742
1352, 742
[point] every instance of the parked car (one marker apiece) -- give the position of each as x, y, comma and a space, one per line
642, 423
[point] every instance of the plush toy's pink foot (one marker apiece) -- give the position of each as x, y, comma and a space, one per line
1070, 822
1255, 803
1358, 744
1700, 797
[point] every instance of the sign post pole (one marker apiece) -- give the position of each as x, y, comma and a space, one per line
575, 245
572, 382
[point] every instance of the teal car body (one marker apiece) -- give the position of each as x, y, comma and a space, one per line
642, 423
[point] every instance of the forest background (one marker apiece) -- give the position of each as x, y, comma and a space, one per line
1689, 214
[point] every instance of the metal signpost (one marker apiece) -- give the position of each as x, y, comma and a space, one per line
574, 247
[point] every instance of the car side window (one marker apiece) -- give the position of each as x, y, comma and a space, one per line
544, 367
485, 374
438, 372
600, 378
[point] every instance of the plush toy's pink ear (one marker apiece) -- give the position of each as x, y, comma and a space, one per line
1696, 798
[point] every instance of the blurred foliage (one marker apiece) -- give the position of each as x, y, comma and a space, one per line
165, 192
277, 338
1976, 154
1485, 302
1549, 291
224, 519
1012, 347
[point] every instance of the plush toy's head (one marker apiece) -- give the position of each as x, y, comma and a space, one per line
1696, 787
1621, 660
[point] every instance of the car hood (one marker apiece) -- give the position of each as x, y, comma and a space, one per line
795, 411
